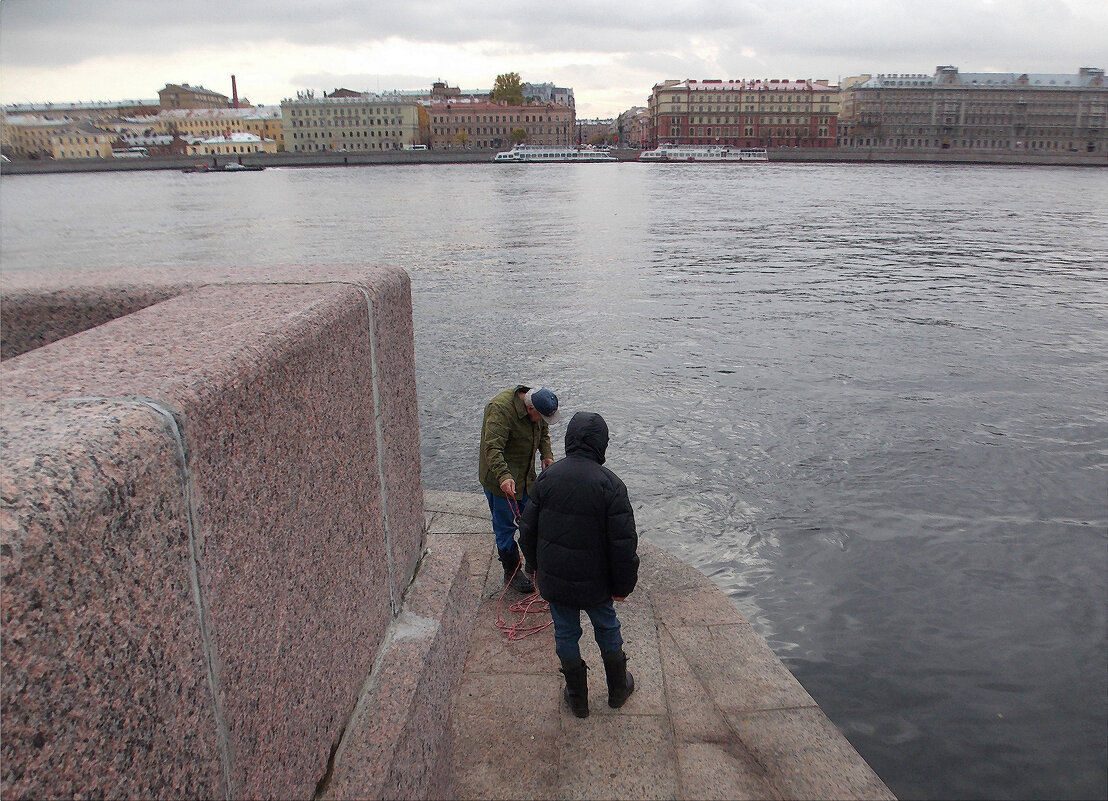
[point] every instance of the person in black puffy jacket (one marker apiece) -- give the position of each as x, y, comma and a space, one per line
578, 532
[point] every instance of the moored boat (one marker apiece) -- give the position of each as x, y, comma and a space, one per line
539, 154
684, 153
231, 167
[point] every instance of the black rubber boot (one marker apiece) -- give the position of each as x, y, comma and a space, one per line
620, 681
577, 686
514, 575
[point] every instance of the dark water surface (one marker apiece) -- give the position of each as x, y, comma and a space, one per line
870, 402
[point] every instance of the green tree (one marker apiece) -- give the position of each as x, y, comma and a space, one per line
519, 136
461, 138
508, 89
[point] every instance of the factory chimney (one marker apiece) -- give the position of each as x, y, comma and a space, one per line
234, 93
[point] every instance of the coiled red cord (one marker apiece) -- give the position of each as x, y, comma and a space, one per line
529, 605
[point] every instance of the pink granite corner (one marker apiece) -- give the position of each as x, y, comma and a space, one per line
400, 744
106, 690
293, 401
33, 318
394, 383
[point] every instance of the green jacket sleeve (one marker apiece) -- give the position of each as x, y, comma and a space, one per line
545, 448
494, 438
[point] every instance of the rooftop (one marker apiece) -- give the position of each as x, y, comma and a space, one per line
259, 112
1086, 77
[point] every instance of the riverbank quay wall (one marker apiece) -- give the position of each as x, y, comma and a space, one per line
212, 512
431, 157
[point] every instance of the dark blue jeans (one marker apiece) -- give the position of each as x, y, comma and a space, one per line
503, 519
567, 629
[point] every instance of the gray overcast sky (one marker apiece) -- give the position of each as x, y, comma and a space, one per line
611, 54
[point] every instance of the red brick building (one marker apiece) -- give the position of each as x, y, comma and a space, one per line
482, 124
741, 113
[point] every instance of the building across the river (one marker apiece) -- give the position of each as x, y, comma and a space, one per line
185, 96
263, 121
984, 112
82, 140
481, 123
744, 113
633, 127
548, 93
596, 132
231, 144
31, 136
347, 121
84, 110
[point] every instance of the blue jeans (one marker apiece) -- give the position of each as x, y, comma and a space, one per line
567, 629
503, 520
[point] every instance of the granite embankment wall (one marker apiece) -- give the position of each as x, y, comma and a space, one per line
211, 510
784, 154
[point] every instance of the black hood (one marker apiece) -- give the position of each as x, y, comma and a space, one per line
587, 435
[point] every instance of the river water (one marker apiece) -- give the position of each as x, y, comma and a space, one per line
870, 402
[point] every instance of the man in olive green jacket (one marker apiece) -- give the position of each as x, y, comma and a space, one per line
515, 426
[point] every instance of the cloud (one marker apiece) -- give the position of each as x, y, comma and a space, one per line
60, 32
361, 82
70, 49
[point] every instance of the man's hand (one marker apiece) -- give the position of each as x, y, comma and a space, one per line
546, 463
615, 598
508, 487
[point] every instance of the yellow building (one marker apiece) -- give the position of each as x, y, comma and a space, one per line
83, 141
31, 137
350, 121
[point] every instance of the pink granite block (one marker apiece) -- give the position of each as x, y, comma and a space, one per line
394, 379
387, 291
399, 744
105, 690
601, 758
506, 736
663, 572
702, 605
491, 646
722, 771
640, 643
695, 716
738, 668
807, 756
273, 388
33, 318
296, 568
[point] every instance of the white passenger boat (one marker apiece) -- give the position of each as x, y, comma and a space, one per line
668, 152
536, 154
